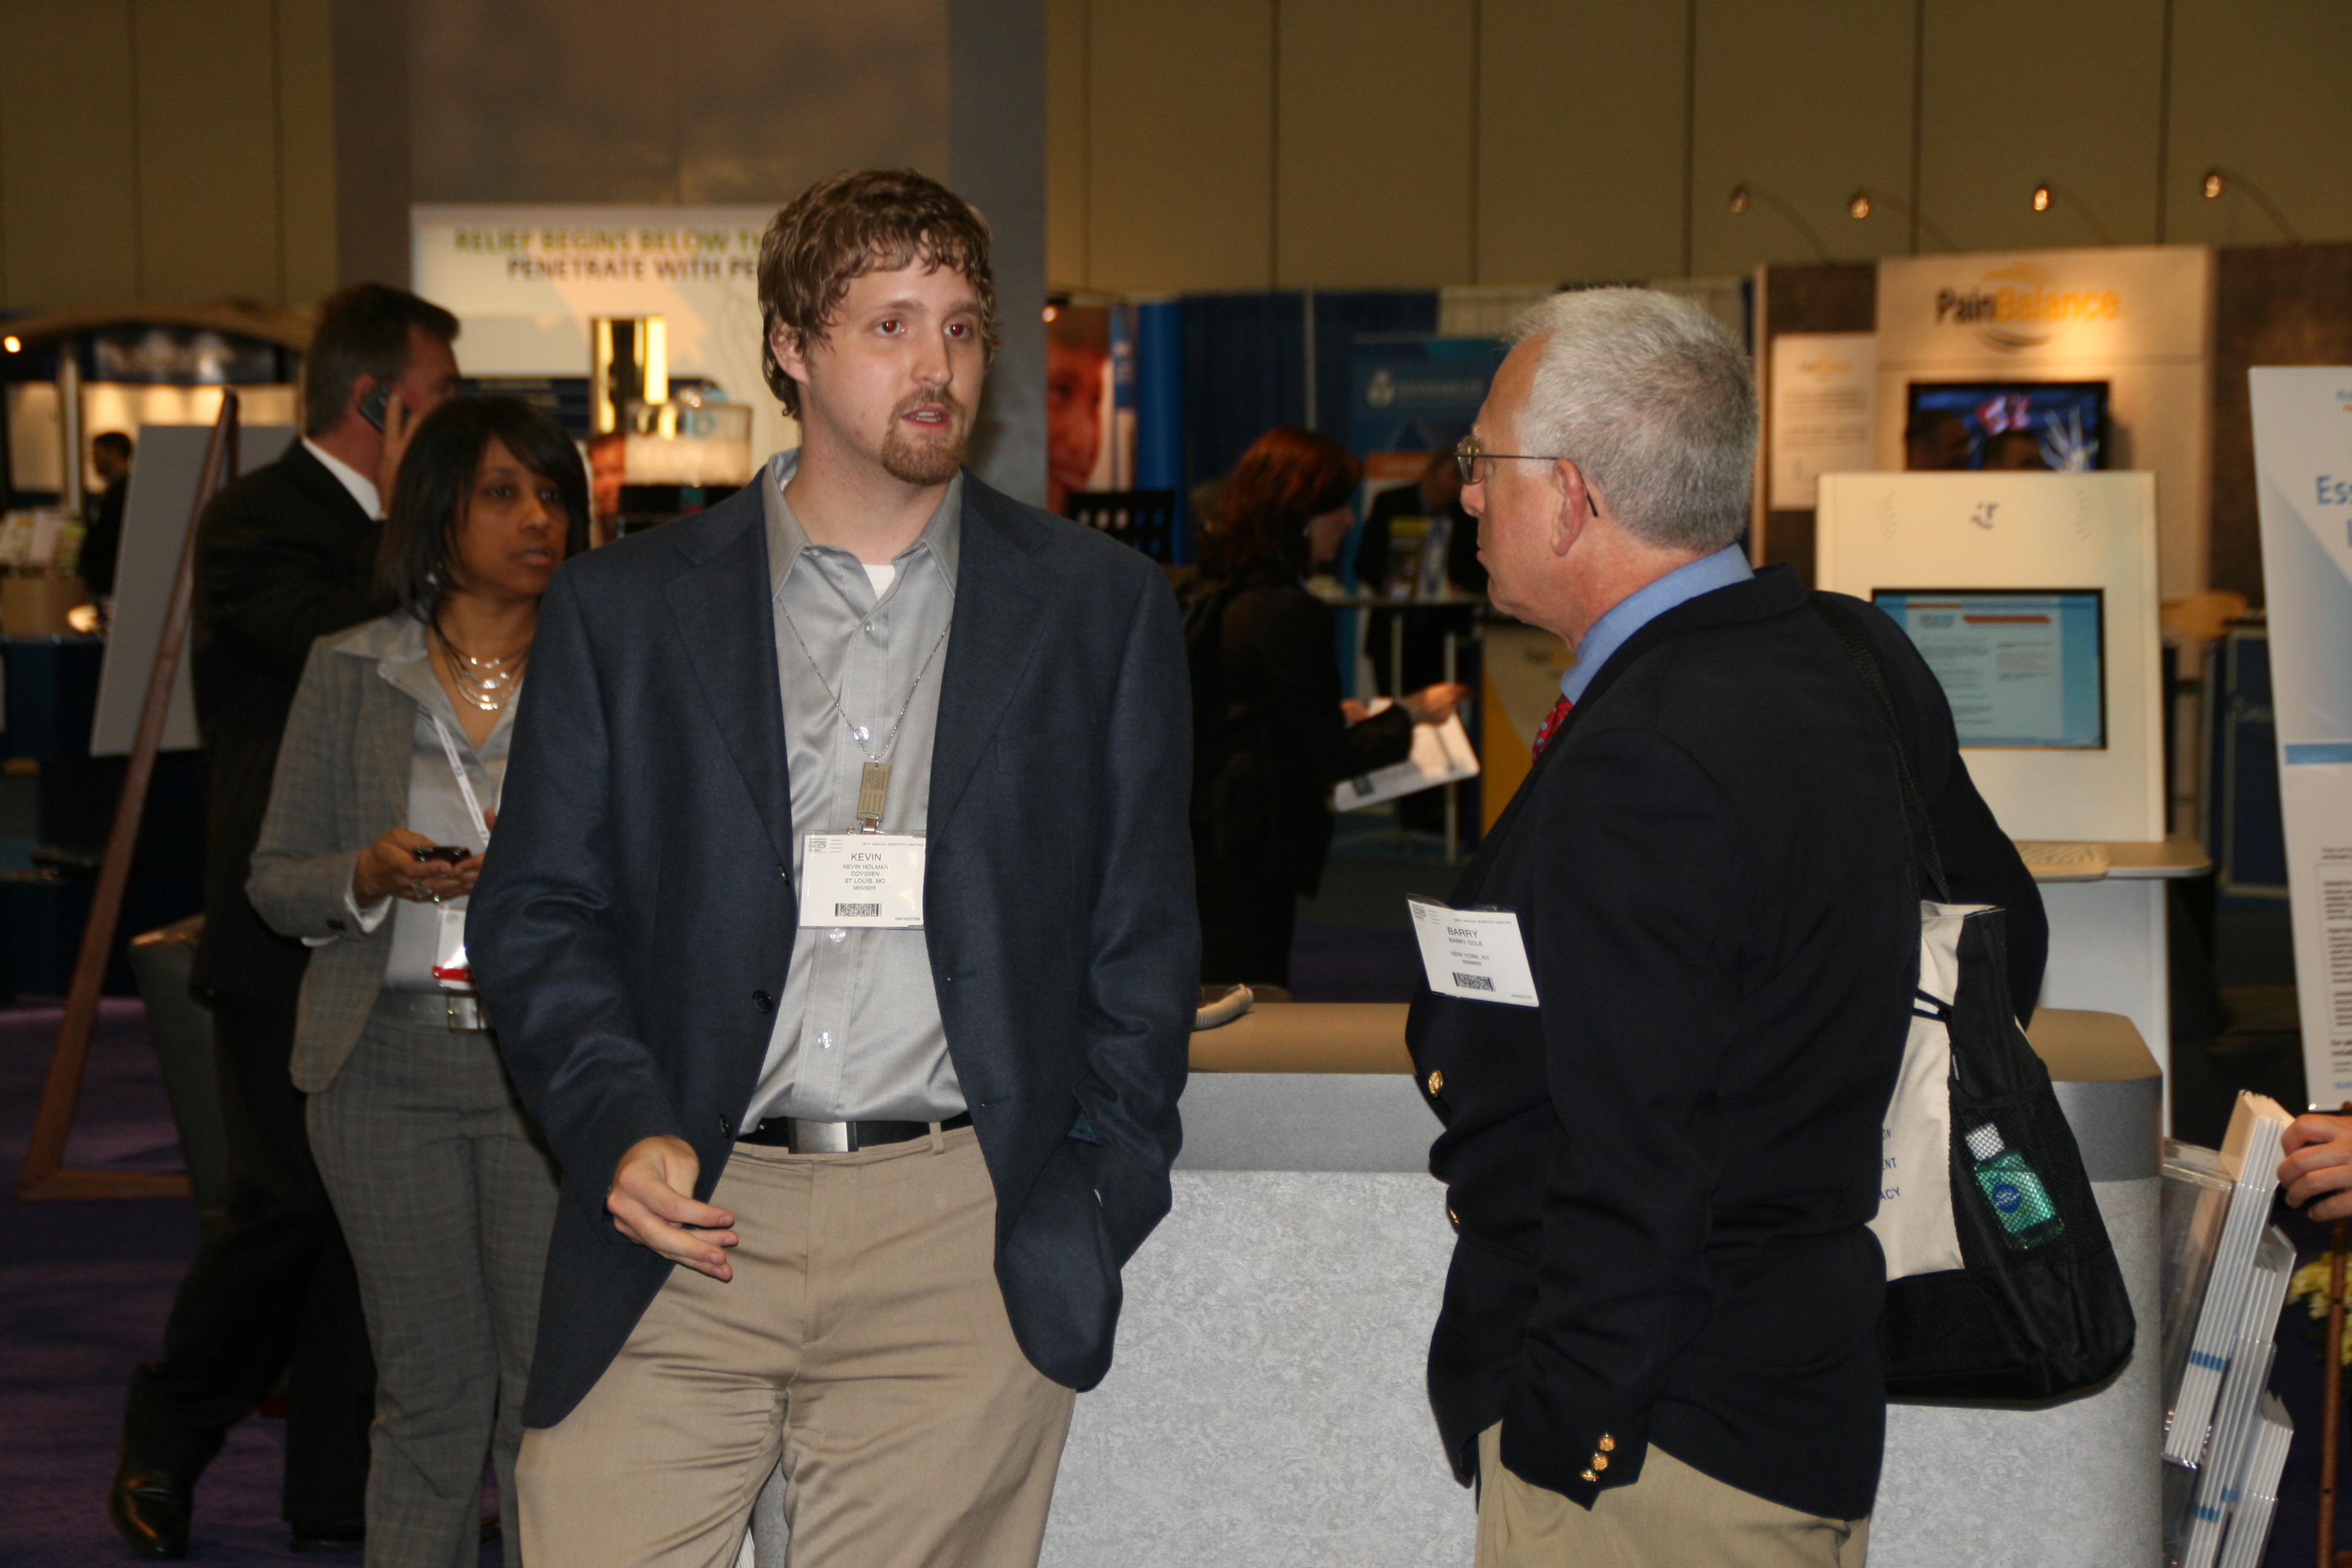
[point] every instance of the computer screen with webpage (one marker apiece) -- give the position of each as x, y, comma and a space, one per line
2021, 668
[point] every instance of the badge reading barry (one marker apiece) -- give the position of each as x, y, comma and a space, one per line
862, 879
1475, 954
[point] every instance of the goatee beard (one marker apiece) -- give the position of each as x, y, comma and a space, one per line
918, 462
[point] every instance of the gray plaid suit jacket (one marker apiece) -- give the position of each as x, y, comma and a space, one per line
341, 783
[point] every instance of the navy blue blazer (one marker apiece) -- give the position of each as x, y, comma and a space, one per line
636, 913
1661, 1176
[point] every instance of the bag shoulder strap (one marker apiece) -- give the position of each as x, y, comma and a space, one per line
1927, 862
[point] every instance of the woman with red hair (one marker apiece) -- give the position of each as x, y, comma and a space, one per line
1269, 735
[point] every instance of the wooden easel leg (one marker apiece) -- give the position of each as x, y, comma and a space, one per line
45, 1175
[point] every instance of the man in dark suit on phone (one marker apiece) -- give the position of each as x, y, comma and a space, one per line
1658, 1343
284, 555
838, 927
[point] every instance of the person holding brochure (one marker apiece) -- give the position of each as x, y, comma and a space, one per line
386, 789
1271, 733
836, 930
1657, 1344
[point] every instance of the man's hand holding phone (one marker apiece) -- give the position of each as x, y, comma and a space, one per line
391, 417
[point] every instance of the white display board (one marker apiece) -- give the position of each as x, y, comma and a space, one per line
1984, 533
1823, 392
2303, 465
2138, 318
154, 527
526, 281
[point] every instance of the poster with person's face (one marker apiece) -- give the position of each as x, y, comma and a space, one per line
1089, 424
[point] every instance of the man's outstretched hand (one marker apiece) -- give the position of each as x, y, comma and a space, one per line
652, 1203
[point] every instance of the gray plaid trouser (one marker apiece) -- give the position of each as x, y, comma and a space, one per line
446, 1194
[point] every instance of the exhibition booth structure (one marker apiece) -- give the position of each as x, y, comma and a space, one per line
2033, 598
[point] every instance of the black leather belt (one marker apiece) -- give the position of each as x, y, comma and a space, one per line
842, 1137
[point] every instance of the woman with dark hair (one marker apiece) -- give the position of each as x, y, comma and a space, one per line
1270, 736
386, 788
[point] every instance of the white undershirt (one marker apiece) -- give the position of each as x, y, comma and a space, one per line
881, 577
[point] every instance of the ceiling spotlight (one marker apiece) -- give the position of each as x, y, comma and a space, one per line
1858, 205
2041, 198
2220, 182
13, 343
1053, 312
1739, 199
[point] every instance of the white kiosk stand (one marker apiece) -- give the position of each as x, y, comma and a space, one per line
2035, 596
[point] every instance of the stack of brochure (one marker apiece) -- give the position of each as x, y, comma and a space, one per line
2251, 1527
2249, 1158
2228, 1470
2196, 1199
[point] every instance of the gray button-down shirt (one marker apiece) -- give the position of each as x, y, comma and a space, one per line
857, 1035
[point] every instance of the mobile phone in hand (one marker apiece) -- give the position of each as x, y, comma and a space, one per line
449, 852
371, 407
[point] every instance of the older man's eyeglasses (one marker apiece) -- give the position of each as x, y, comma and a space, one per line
1472, 460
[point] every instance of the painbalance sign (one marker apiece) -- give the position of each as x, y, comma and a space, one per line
2023, 306
2138, 318
2129, 302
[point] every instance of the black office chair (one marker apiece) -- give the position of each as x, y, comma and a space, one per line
1144, 519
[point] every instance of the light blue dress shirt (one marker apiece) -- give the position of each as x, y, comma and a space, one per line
1646, 603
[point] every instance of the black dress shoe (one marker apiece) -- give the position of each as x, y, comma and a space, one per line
329, 1534
150, 1509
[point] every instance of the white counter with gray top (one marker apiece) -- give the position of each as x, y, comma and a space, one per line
1266, 1404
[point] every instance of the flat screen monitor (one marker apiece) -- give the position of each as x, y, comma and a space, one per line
2022, 669
2055, 425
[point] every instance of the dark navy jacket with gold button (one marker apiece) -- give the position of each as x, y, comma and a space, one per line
1663, 1175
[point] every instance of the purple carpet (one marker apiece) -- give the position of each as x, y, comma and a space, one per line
84, 1288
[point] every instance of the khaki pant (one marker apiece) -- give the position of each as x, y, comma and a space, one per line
1674, 1517
863, 1339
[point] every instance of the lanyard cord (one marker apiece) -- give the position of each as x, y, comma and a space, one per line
858, 734
465, 784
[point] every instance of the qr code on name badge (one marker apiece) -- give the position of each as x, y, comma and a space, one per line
1473, 981
856, 911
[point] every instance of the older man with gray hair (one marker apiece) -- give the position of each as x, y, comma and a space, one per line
1658, 1343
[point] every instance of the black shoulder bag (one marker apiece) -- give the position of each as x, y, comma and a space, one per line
2037, 1307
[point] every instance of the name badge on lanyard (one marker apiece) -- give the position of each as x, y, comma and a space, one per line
1475, 954
450, 966
873, 879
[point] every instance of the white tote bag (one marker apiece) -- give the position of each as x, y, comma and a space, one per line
1915, 1225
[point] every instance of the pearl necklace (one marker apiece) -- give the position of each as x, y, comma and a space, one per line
488, 684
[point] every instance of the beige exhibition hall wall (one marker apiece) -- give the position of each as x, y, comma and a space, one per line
180, 150
636, 101
171, 152
1408, 143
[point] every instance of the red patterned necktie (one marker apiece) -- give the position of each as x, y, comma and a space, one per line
1551, 724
